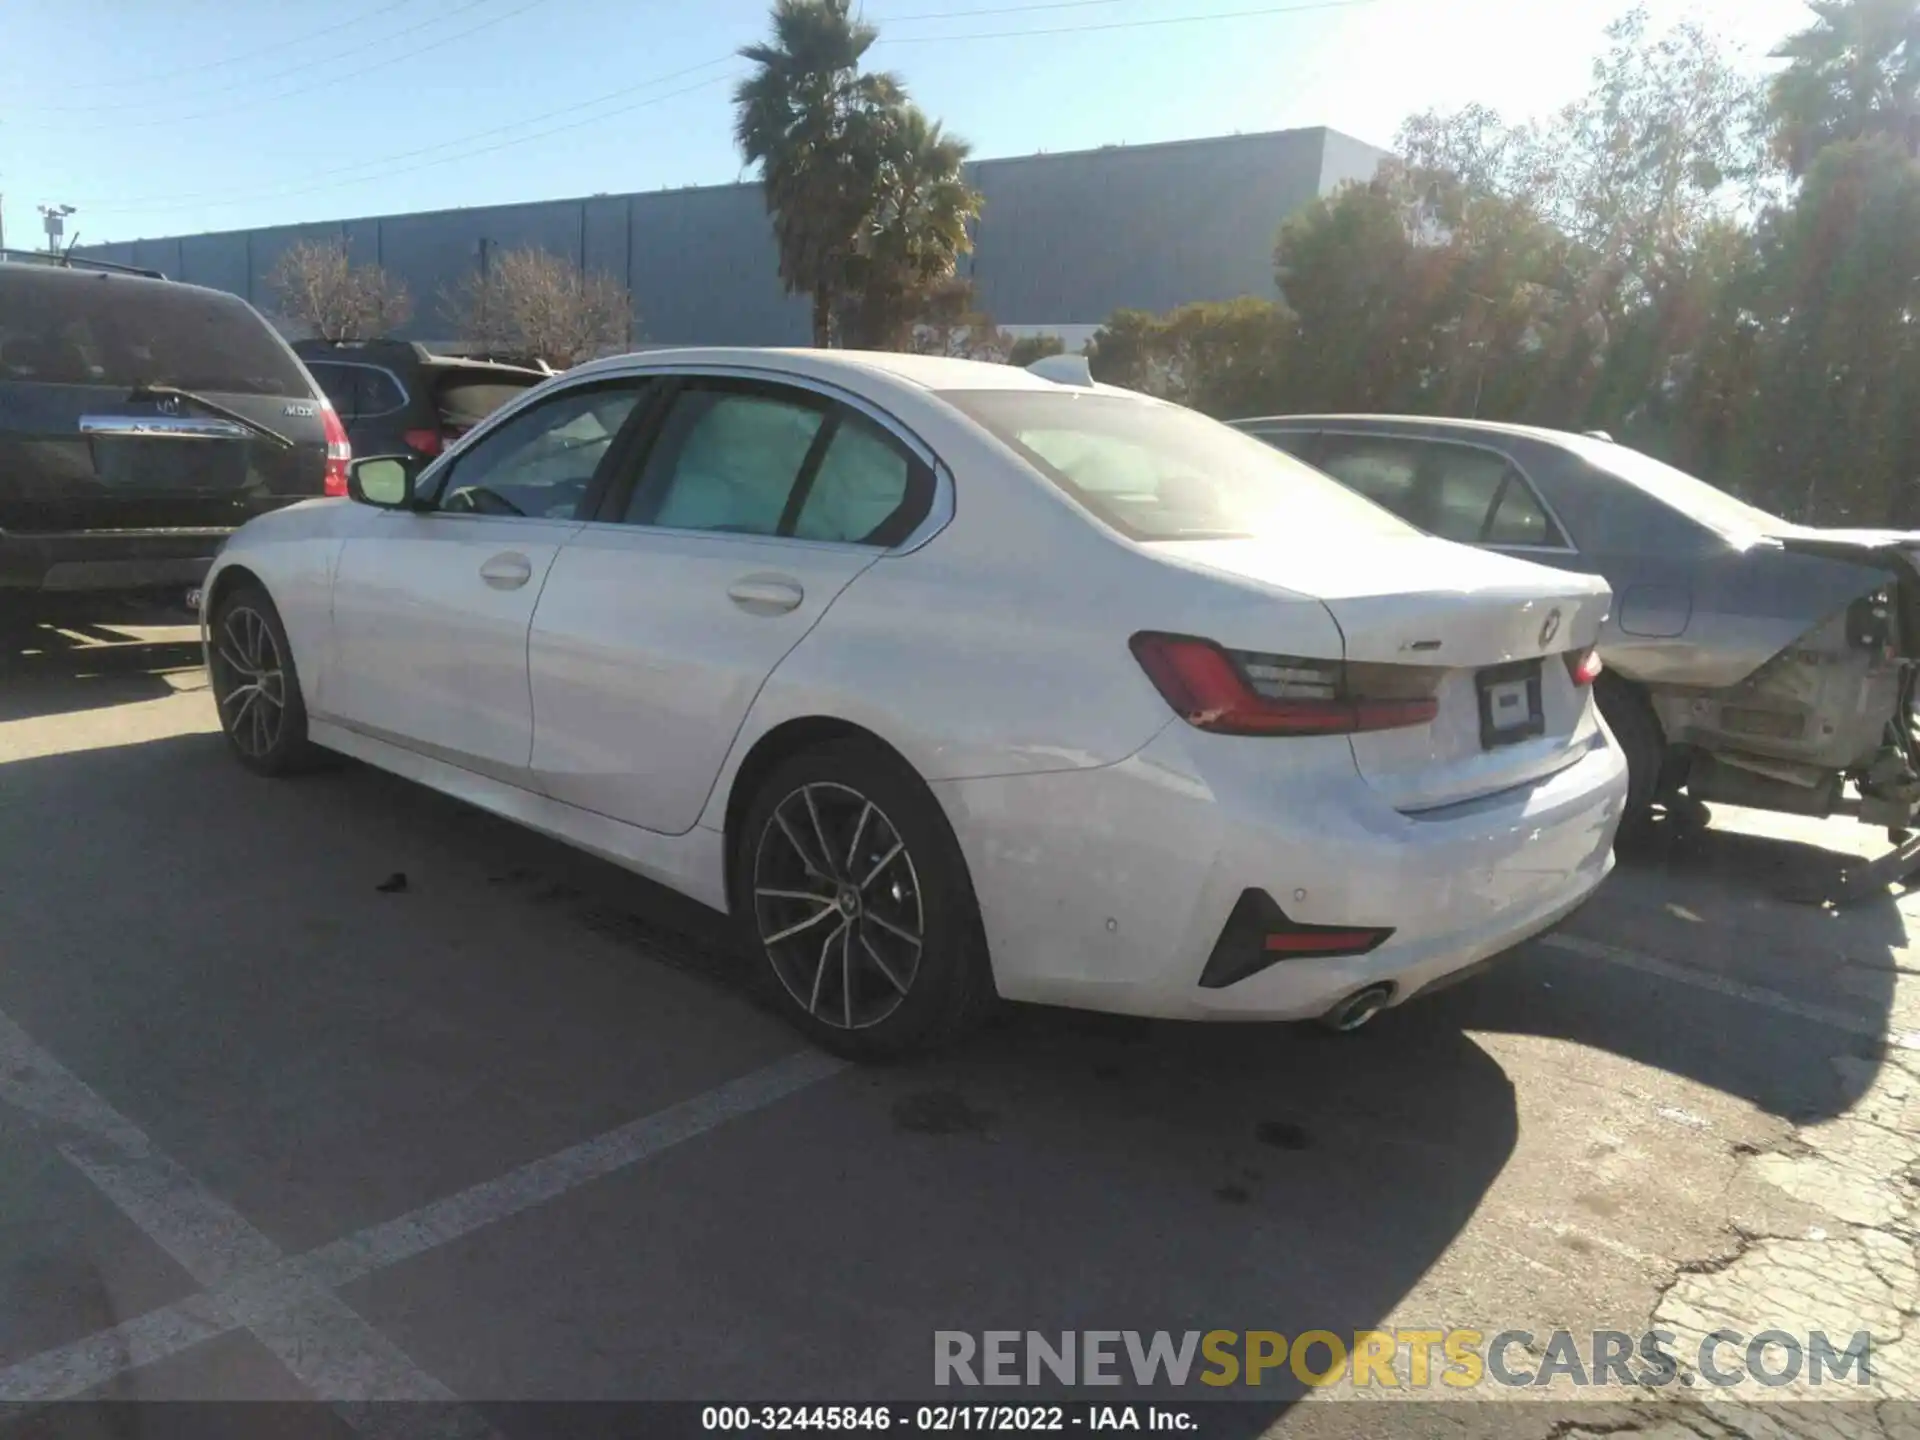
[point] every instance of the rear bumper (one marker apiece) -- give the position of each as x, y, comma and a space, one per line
90, 561
1108, 888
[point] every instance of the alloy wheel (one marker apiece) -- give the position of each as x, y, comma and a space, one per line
250, 681
837, 901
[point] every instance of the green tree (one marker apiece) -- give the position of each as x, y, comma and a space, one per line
1226, 358
1029, 348
1834, 433
1853, 74
913, 231
811, 119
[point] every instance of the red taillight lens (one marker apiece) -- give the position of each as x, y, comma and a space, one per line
1584, 666
339, 452
426, 442
1212, 690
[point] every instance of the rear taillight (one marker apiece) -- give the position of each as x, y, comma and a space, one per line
425, 442
339, 452
1244, 693
1584, 666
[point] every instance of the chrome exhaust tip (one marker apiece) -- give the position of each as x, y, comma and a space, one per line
1358, 1008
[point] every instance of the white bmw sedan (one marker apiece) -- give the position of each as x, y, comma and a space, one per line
950, 680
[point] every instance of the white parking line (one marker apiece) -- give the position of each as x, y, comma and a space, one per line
288, 1303
1717, 984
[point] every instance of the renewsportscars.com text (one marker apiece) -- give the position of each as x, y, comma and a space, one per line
1395, 1359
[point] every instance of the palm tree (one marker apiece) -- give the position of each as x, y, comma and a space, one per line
915, 230
1853, 74
809, 117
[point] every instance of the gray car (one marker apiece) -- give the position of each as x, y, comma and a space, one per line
1748, 660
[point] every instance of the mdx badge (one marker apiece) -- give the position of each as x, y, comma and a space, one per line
308, 412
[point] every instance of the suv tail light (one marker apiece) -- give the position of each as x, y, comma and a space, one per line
339, 452
1240, 692
427, 442
1584, 666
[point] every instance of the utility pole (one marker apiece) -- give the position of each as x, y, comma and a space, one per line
54, 218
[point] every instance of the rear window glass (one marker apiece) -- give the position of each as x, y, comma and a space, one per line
465, 403
68, 329
1160, 472
1727, 516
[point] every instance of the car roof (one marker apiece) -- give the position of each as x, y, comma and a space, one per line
16, 272
922, 372
1390, 422
387, 351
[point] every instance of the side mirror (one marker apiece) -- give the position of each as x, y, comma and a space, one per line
385, 481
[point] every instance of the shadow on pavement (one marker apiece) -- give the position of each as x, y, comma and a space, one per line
63, 664
307, 1040
1743, 913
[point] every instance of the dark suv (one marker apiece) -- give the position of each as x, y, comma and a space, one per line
398, 397
141, 422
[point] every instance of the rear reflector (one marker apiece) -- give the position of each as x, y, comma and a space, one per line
1258, 935
1584, 666
339, 452
1244, 693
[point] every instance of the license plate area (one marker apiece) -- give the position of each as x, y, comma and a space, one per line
1510, 709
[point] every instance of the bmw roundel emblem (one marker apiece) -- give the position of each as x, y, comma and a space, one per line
1549, 628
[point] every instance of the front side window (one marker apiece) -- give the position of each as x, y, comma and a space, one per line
1154, 471
1382, 470
541, 462
1462, 493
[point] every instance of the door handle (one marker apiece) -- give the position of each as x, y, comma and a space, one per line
766, 594
508, 571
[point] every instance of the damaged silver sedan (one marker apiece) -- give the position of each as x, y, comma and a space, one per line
1749, 660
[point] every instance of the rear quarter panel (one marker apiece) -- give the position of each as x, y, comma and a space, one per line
1689, 607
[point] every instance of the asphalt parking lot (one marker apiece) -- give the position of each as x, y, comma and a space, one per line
335, 1088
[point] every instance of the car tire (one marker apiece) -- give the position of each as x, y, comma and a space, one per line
1636, 729
255, 686
853, 893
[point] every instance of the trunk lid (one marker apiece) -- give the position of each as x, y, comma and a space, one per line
78, 452
1492, 634
1895, 549
86, 457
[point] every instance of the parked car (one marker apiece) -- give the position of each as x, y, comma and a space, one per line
949, 679
399, 397
141, 422
1748, 660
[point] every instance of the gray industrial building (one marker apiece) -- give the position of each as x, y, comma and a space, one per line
1063, 241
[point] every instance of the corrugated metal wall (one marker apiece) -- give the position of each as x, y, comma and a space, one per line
1064, 239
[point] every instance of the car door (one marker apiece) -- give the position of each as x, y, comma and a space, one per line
752, 507
431, 607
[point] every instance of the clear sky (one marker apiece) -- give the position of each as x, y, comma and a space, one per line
164, 117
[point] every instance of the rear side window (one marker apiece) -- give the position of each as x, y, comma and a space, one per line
864, 479
337, 381
73, 328
375, 392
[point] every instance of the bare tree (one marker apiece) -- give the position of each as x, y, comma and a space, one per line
320, 287
538, 304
